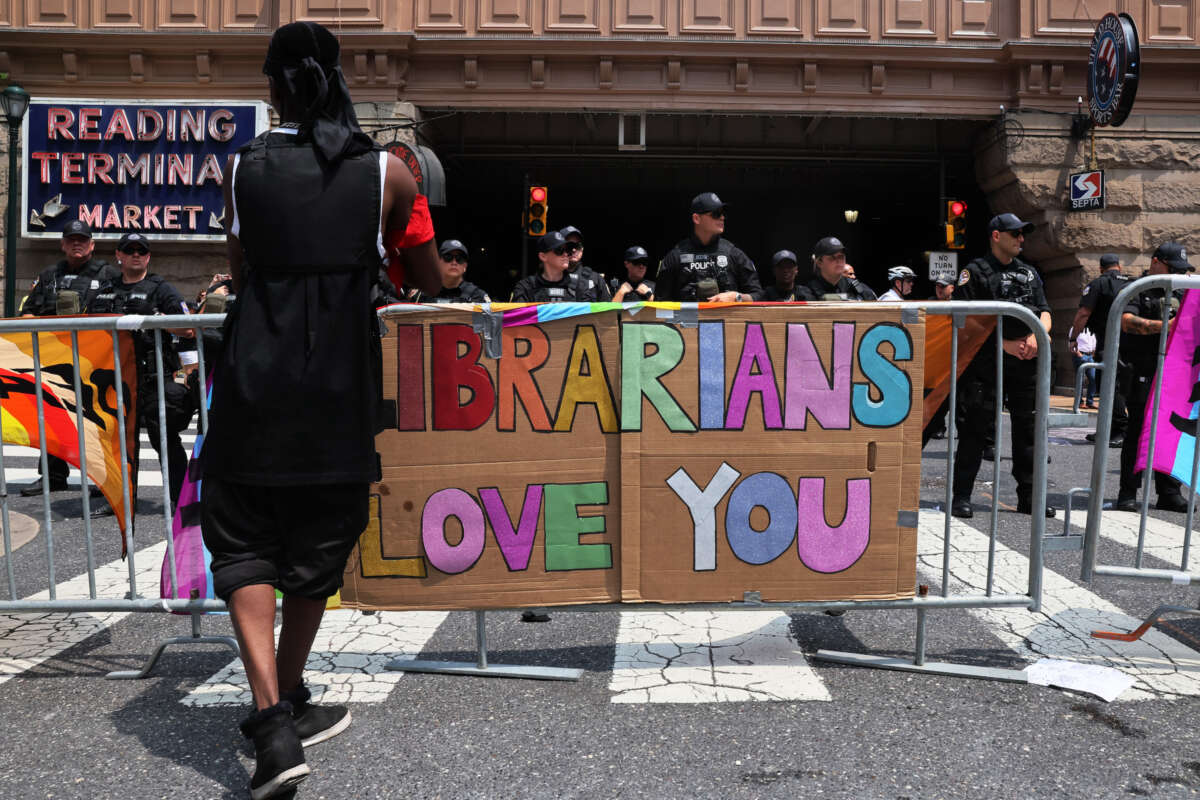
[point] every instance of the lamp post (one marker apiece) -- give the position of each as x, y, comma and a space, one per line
16, 101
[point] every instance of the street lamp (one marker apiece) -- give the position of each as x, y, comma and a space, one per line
16, 101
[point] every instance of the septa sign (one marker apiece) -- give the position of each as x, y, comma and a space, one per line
1087, 190
154, 167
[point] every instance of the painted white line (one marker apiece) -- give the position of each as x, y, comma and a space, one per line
710, 657
1161, 666
28, 639
21, 451
148, 475
348, 659
1164, 540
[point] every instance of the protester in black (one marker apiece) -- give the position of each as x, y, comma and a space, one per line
65, 288
636, 287
553, 283
452, 264
290, 453
1094, 307
1000, 275
784, 288
706, 266
829, 280
1141, 326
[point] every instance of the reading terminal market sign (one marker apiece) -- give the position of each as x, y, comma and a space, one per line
155, 167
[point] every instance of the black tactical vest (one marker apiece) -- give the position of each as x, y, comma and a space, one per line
278, 181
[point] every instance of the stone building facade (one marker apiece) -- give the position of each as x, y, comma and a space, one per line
978, 94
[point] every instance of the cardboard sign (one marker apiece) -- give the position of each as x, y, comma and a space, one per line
943, 266
155, 167
618, 457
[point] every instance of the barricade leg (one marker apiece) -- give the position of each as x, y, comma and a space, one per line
195, 638
1154, 617
481, 666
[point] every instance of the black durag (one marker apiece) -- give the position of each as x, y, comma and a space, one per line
304, 60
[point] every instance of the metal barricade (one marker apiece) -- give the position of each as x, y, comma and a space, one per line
1100, 457
922, 603
133, 600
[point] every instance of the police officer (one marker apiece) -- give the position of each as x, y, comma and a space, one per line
1141, 324
784, 290
943, 289
68, 287
705, 266
139, 291
575, 265
901, 279
1094, 307
452, 265
1000, 275
636, 287
829, 280
553, 283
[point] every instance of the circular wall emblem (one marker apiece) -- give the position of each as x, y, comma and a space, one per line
1113, 69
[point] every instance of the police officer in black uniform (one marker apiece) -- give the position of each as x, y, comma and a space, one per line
636, 287
553, 283
706, 266
784, 290
452, 265
139, 291
575, 265
829, 280
1000, 275
1141, 324
68, 287
1094, 307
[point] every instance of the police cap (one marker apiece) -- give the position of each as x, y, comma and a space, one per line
830, 245
783, 255
706, 203
1009, 223
571, 230
1174, 256
77, 227
1109, 260
452, 245
637, 253
131, 240
551, 241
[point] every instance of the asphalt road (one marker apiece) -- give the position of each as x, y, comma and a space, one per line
854, 732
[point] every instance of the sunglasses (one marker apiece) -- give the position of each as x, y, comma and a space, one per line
1016, 234
136, 251
561, 251
456, 258
718, 214
573, 246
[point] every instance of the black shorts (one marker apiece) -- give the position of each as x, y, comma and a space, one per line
295, 538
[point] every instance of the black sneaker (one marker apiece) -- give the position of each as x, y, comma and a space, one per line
1127, 503
1091, 437
961, 507
989, 453
1116, 442
278, 755
1172, 502
535, 615
315, 724
35, 489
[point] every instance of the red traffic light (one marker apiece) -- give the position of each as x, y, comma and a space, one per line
538, 194
957, 207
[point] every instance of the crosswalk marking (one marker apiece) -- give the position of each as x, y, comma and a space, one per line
1164, 540
1161, 666
348, 662
29, 639
25, 469
710, 656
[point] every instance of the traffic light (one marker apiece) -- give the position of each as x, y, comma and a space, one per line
537, 206
956, 224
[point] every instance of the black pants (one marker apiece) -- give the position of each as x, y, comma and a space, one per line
1120, 415
1137, 389
977, 398
179, 414
59, 469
